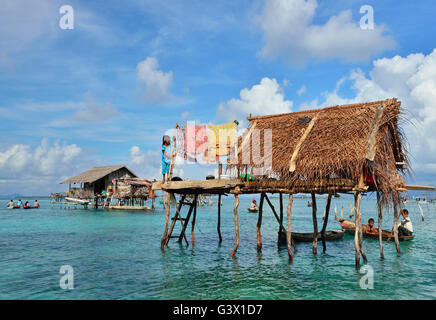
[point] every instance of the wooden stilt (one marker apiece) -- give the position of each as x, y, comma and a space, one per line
380, 220
288, 231
219, 218
259, 222
235, 211
397, 243
280, 219
282, 229
326, 219
315, 225
356, 234
193, 220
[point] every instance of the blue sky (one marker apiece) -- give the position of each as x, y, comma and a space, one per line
106, 91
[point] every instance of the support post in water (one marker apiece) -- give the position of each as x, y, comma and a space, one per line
288, 230
280, 219
219, 218
326, 219
315, 225
397, 243
356, 233
259, 222
235, 211
193, 220
380, 220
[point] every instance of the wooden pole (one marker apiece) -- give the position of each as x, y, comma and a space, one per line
235, 211
288, 231
397, 243
356, 233
219, 218
193, 220
315, 225
259, 222
380, 220
281, 218
326, 219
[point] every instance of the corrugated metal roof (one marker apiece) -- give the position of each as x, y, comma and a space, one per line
95, 173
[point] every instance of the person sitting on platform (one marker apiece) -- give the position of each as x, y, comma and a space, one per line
405, 226
36, 204
26, 205
370, 229
10, 204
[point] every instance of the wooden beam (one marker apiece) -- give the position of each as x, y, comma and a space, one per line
372, 140
292, 162
415, 187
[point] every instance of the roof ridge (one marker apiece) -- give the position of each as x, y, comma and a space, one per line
344, 106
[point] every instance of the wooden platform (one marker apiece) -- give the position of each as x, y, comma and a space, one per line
237, 186
198, 186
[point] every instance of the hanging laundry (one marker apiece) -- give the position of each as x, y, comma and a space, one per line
221, 139
180, 146
195, 139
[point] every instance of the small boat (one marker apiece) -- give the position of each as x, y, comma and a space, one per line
253, 209
15, 207
350, 227
330, 235
78, 201
29, 207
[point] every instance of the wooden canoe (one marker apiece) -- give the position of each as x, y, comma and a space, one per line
350, 227
308, 237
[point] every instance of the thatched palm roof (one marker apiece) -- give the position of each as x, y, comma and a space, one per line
95, 174
336, 146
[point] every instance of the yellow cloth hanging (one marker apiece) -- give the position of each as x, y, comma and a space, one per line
222, 138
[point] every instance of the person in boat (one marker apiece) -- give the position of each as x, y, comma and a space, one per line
405, 227
10, 204
19, 203
36, 204
253, 204
370, 229
26, 205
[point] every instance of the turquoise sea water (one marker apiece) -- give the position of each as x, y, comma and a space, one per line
116, 255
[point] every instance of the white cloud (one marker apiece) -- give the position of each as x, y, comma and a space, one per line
412, 80
145, 164
37, 170
289, 32
264, 98
92, 112
157, 83
301, 90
